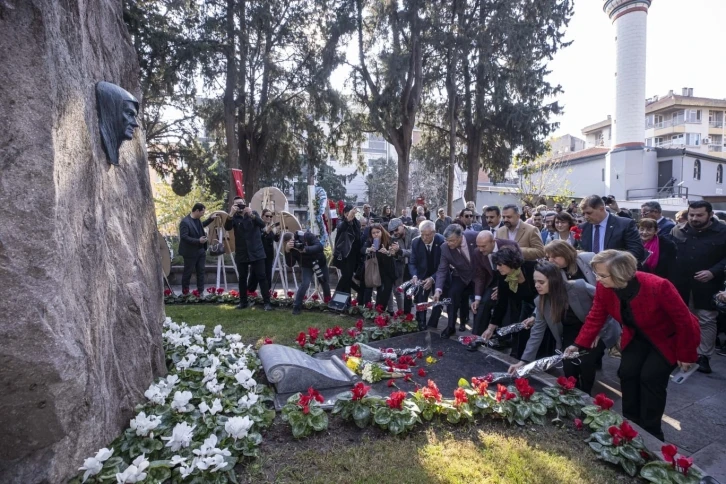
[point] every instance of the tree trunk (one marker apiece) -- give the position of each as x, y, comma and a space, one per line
473, 152
229, 103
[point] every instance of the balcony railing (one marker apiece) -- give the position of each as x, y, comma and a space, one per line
668, 191
715, 124
716, 148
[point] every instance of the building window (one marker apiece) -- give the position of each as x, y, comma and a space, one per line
719, 173
693, 139
649, 142
697, 170
693, 115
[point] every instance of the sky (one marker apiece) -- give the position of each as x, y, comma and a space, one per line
684, 50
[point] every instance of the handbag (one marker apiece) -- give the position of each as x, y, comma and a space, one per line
372, 273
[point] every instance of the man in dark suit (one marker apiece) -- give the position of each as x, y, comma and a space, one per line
459, 255
606, 231
422, 265
467, 217
193, 246
249, 253
652, 210
493, 218
486, 278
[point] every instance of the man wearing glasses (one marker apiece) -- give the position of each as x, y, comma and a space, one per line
652, 210
467, 217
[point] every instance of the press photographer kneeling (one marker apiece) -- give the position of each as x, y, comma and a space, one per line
305, 249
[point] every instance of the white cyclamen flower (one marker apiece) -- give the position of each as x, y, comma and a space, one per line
213, 410
212, 463
172, 380
176, 460
143, 424
210, 373
181, 400
186, 362
156, 394
195, 350
215, 387
181, 436
246, 401
93, 465
238, 427
233, 338
244, 378
134, 472
218, 333
186, 471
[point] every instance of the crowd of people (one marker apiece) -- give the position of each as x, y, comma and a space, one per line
587, 278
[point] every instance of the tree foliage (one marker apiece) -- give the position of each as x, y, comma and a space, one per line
381, 183
171, 208
544, 178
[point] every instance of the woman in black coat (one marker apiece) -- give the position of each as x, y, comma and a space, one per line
516, 284
346, 253
379, 245
661, 250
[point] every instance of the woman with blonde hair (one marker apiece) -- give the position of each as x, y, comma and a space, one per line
659, 333
574, 265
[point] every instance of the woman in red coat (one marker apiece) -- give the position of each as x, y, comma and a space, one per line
659, 332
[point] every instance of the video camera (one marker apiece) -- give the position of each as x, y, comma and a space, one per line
299, 240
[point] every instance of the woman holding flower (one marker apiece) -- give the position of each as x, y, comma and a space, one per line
562, 306
379, 245
659, 333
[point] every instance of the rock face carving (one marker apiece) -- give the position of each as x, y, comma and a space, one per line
80, 276
117, 111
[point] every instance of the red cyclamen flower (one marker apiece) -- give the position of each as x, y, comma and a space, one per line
421, 372
395, 401
567, 383
578, 424
167, 292
360, 391
301, 338
603, 401
313, 333
669, 452
460, 396
684, 463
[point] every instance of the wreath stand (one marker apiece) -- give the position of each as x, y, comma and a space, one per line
221, 266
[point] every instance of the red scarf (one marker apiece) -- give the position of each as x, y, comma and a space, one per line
653, 245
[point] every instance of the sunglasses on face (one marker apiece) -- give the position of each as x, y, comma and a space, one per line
467, 216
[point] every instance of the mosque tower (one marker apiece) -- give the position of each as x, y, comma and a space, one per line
627, 164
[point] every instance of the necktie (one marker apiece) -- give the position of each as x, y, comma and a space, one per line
596, 244
428, 248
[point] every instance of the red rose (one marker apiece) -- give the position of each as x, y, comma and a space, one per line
578, 424
684, 463
185, 291
669, 453
359, 325
603, 402
267, 341
195, 293
395, 401
220, 291
167, 292
421, 372
409, 317
301, 339
313, 333
460, 396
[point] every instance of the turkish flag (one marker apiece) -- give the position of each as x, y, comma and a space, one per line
237, 175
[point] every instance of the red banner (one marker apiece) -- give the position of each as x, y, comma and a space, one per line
237, 175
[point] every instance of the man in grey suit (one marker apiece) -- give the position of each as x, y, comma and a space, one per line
458, 255
607, 231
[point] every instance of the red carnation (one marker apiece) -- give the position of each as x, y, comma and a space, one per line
419, 355
603, 402
379, 308
669, 453
167, 292
576, 232
301, 338
395, 401
313, 333
369, 305
407, 377
390, 383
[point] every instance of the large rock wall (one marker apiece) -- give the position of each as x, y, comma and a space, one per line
80, 278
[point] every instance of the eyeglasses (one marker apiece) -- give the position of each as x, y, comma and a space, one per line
600, 276
468, 216
268, 216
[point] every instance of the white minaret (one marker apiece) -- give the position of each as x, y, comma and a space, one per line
626, 166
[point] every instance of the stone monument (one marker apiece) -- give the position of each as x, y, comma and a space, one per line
81, 303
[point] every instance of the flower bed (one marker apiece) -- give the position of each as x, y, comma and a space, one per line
217, 295
199, 420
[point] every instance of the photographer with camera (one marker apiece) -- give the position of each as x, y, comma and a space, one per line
270, 235
193, 246
346, 253
249, 253
305, 249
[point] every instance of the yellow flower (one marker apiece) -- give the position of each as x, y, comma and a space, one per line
353, 363
430, 360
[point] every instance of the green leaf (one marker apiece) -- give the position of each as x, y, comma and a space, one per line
299, 430
524, 411
596, 446
551, 392
654, 472
319, 422
464, 383
453, 416
591, 410
539, 409
630, 453
538, 419
383, 416
361, 412
395, 426
629, 466
607, 455
604, 438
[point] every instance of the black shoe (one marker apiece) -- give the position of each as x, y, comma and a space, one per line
268, 307
462, 327
704, 366
244, 305
296, 311
721, 350
447, 332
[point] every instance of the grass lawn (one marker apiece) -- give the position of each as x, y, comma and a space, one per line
484, 451
254, 324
